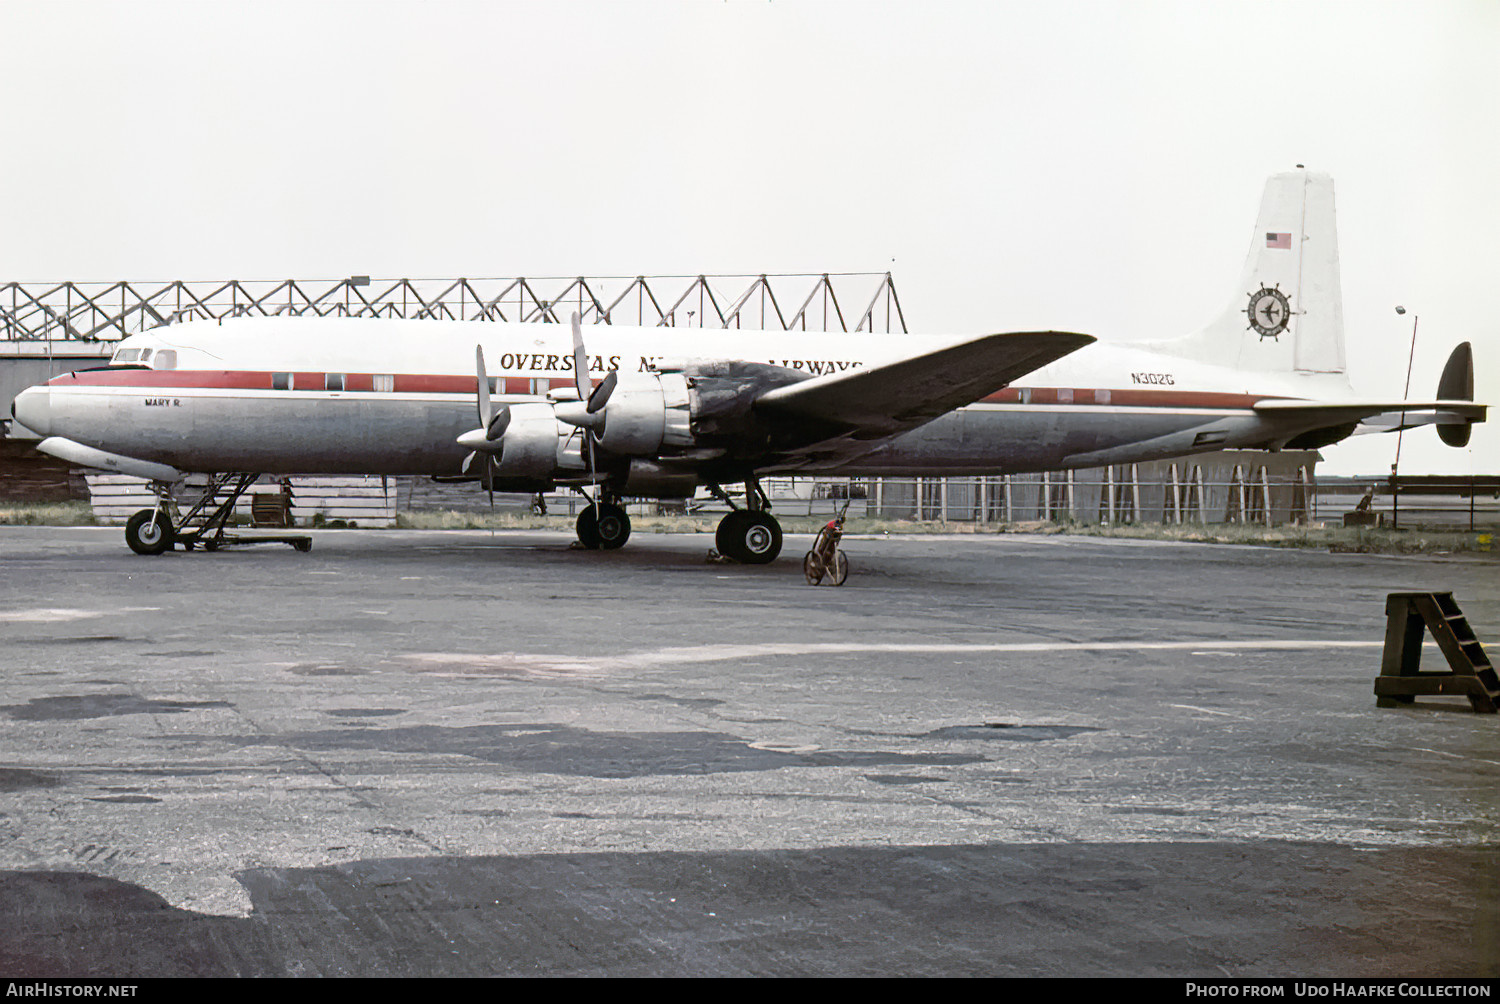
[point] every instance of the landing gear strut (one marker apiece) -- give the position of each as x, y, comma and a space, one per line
751, 536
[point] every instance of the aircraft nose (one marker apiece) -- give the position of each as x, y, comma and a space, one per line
33, 409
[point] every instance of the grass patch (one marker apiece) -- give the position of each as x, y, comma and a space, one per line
1355, 540
47, 514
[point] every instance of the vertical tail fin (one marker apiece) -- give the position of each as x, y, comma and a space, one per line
1288, 313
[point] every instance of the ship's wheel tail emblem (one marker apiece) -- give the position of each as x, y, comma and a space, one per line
1269, 311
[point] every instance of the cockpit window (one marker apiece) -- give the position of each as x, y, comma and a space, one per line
127, 356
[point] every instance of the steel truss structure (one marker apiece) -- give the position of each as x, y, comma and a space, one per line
108, 311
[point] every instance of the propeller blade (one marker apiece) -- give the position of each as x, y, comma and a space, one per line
580, 360
486, 416
492, 424
600, 397
585, 387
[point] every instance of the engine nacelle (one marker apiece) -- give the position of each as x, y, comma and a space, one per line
645, 415
652, 479
529, 446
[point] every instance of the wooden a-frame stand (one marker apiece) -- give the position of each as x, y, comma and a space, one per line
1471, 673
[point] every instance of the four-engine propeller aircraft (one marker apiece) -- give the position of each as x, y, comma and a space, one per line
657, 412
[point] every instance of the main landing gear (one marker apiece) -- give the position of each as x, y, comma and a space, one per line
751, 536
156, 530
603, 526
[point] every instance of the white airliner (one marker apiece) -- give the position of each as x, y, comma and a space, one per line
657, 412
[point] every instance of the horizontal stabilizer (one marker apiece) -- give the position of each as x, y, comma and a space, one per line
1452, 418
1359, 411
884, 400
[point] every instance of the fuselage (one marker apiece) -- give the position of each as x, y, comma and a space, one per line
290, 395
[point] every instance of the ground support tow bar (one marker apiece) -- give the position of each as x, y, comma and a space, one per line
157, 530
826, 560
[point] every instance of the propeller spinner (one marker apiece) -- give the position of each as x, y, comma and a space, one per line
588, 411
489, 438
493, 419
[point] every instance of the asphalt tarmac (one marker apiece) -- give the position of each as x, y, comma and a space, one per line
465, 753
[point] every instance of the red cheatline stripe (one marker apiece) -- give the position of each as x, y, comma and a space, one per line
1126, 397
437, 383
407, 383
234, 379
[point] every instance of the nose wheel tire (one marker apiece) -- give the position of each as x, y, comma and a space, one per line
750, 537
149, 532
603, 526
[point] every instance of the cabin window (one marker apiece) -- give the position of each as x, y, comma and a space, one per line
1065, 395
1101, 397
166, 359
281, 381
384, 382
333, 381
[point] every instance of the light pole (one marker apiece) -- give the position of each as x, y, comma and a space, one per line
1401, 429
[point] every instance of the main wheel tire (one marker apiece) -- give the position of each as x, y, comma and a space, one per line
588, 527
749, 537
612, 526
729, 528
149, 532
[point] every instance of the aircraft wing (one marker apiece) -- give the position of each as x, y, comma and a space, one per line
884, 400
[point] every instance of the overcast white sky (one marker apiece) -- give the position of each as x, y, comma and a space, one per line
1090, 166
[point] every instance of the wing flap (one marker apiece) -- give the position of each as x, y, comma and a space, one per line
876, 402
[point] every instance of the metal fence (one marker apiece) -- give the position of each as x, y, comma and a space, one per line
1171, 493
1124, 493
1460, 502
89, 312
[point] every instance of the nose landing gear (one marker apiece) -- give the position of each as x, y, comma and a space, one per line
150, 532
155, 531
